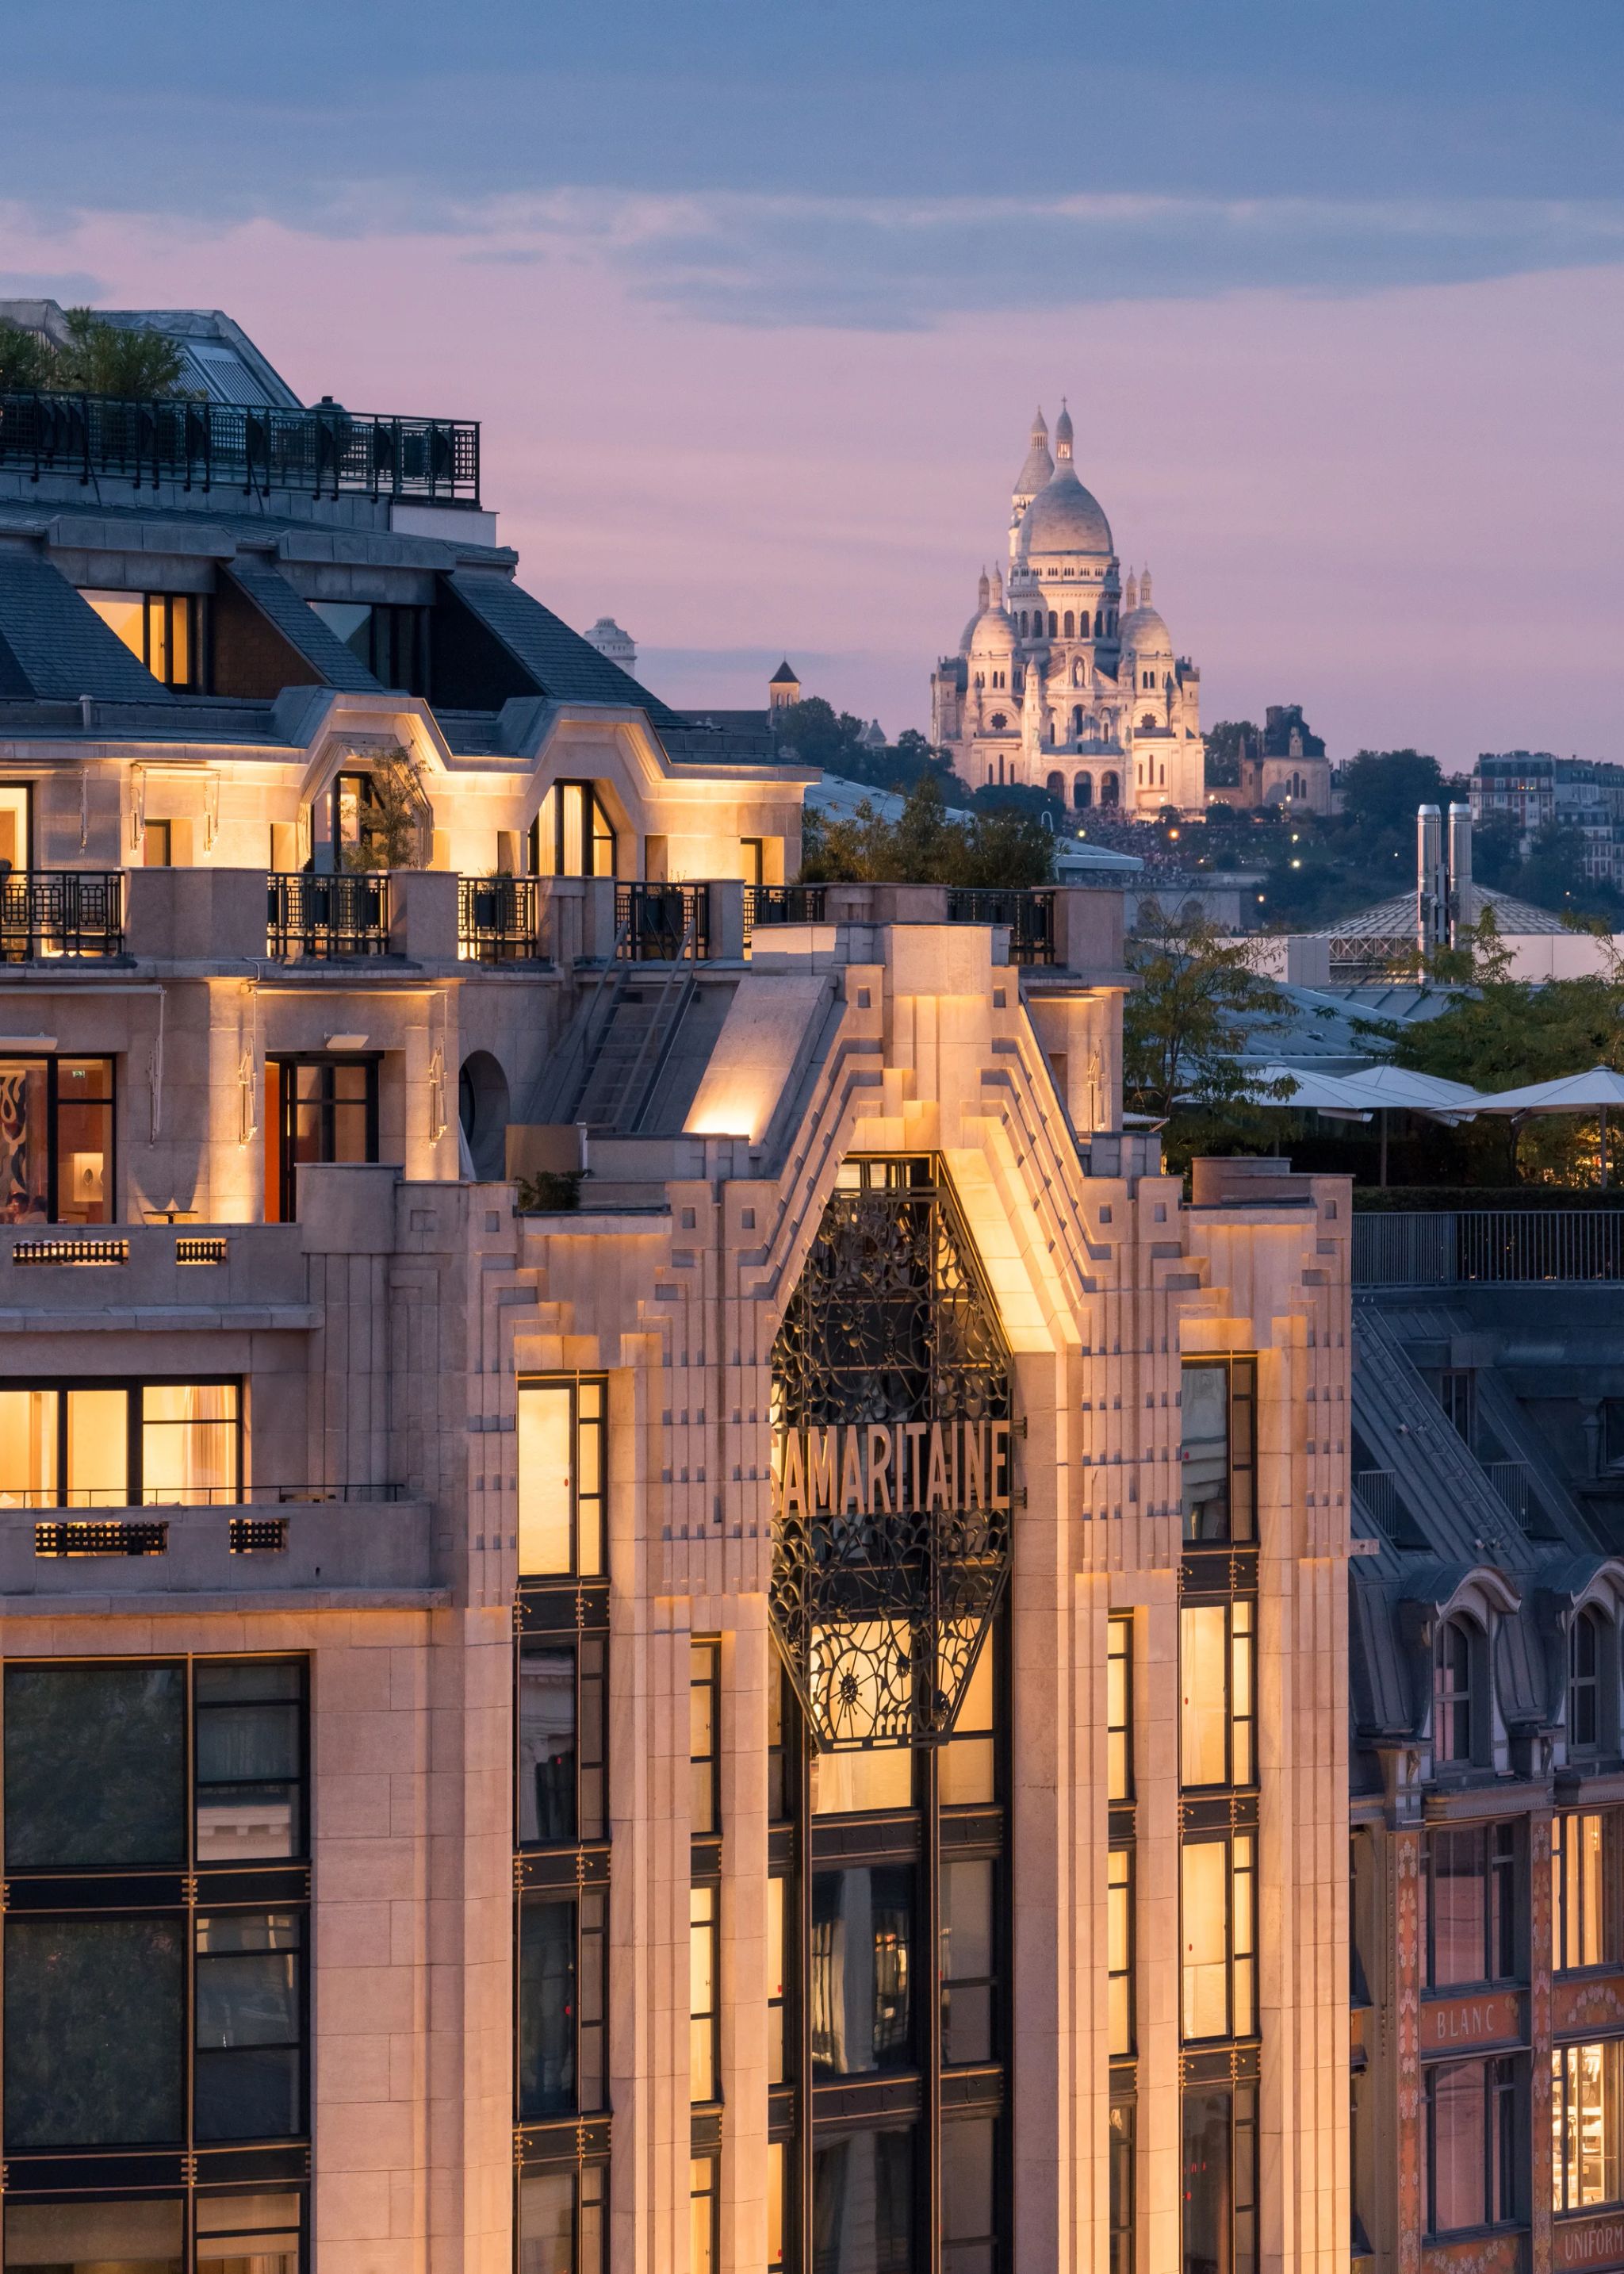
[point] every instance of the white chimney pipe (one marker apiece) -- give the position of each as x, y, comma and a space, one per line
1432, 899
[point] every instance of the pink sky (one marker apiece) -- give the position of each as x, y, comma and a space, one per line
1400, 509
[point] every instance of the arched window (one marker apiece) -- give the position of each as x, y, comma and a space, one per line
1023, 623
1112, 623
1077, 718
1069, 622
1585, 1656
1099, 623
1110, 790
1055, 786
1054, 625
1452, 1693
1082, 793
1001, 769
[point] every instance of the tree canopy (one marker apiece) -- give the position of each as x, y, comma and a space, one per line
132, 361
1184, 1028
926, 845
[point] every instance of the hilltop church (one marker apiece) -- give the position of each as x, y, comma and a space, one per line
1063, 680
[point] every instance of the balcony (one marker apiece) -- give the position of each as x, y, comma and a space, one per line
333, 1542
662, 923
50, 914
497, 920
326, 452
1454, 1248
326, 919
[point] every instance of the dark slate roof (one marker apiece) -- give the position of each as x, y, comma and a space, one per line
563, 665
58, 647
301, 627
784, 676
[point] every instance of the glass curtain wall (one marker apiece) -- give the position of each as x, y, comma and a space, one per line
561, 1828
155, 1827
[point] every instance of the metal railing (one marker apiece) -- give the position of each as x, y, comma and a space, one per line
1029, 915
1378, 1493
1506, 1247
46, 913
321, 918
1374, 953
323, 452
783, 904
1515, 1484
662, 923
497, 920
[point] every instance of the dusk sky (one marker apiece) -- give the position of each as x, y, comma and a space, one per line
755, 303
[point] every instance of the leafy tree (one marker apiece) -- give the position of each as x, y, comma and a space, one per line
1385, 786
1497, 851
1226, 743
25, 360
102, 358
924, 845
1020, 797
1187, 1022
391, 819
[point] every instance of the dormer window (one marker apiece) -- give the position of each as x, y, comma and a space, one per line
1584, 1658
1452, 1695
163, 631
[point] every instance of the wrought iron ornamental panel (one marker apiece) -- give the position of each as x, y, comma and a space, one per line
891, 1462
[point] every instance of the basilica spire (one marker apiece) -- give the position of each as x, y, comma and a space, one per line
980, 592
1130, 597
1034, 474
1144, 588
1062, 435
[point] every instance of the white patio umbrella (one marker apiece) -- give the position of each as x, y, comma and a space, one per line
1594, 1092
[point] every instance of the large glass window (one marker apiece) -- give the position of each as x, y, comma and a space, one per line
562, 1716
1580, 1913
563, 2221
166, 631
96, 1765
704, 1954
968, 1960
704, 1743
115, 1445
1585, 2121
861, 1979
87, 2238
572, 835
56, 1140
1217, 1681
1585, 1659
1472, 1894
1454, 1665
318, 1109
562, 1450
1119, 1708
95, 2053
1218, 1894
863, 2203
778, 1922
1473, 2124
561, 1985
1119, 1948
390, 640
1119, 2148
1218, 1411
248, 2075
249, 1754
969, 2196
1221, 2179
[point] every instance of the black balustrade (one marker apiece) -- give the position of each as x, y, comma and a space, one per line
327, 917
61, 912
662, 923
1029, 915
782, 904
498, 919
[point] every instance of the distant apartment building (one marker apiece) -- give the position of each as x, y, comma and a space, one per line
1536, 791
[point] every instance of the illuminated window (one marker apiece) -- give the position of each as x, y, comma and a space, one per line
1217, 1681
1119, 1708
562, 1456
704, 1761
1585, 2084
704, 2018
318, 1109
1218, 1897
968, 1760
120, 1444
165, 631
390, 641
1580, 1924
56, 1140
573, 835
1218, 1403
1119, 1948
780, 1912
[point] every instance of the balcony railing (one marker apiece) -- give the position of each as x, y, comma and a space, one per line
1030, 915
323, 919
61, 912
662, 923
783, 904
324, 452
497, 920
1505, 1246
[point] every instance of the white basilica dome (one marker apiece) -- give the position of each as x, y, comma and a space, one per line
1065, 517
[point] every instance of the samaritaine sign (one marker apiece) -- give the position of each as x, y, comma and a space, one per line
891, 1461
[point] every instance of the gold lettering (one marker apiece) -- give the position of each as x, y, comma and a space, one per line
999, 1495
820, 1471
915, 1433
975, 1465
936, 1489
879, 1470
793, 1487
851, 1471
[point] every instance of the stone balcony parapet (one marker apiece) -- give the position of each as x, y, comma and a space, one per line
267, 1546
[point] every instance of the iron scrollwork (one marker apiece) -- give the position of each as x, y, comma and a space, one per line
891, 1462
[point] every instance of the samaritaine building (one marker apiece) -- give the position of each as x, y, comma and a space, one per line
1063, 680
663, 1608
